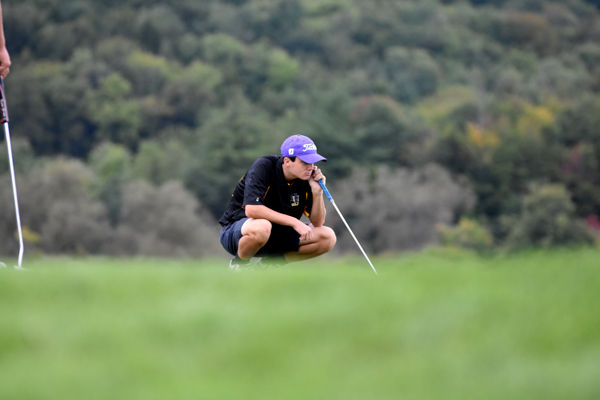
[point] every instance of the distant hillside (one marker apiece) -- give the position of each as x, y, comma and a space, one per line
504, 94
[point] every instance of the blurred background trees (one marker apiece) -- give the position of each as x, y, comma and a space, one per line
469, 106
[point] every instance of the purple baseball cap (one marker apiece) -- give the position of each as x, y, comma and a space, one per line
301, 147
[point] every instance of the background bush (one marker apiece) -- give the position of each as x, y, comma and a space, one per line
58, 208
396, 210
467, 234
546, 219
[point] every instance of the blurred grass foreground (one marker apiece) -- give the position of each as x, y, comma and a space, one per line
434, 325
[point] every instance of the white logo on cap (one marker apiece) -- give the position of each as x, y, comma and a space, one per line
309, 146
291, 151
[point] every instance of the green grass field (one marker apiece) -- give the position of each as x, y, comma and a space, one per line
435, 325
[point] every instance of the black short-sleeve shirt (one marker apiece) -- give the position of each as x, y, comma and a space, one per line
264, 184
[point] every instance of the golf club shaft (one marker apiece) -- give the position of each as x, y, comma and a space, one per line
345, 223
4, 119
14, 187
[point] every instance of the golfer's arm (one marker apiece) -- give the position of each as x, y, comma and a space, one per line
317, 213
2, 39
4, 56
264, 212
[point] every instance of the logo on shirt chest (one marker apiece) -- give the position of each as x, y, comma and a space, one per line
295, 199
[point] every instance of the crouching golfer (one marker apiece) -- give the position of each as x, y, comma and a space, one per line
263, 218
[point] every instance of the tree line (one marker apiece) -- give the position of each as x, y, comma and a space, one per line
471, 111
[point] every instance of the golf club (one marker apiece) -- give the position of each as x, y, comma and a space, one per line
4, 120
342, 217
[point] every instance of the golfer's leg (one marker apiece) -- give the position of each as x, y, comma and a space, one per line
255, 234
322, 242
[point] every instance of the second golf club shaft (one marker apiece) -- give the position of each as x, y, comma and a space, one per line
4, 120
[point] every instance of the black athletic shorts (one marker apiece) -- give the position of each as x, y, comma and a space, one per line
283, 239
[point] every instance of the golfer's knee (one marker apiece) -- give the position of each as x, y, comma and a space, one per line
329, 239
260, 231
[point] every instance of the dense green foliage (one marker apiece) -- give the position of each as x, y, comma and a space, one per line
429, 326
502, 93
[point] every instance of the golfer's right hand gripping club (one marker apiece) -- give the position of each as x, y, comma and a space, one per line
342, 217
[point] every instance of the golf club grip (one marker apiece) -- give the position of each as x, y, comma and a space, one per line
325, 190
3, 109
